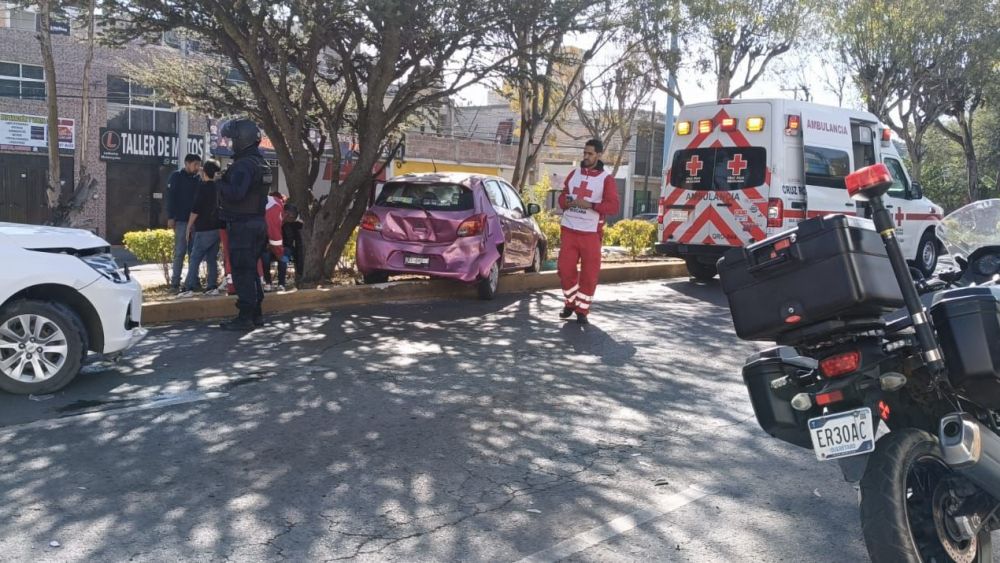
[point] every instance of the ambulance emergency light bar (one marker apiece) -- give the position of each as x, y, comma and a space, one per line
705, 126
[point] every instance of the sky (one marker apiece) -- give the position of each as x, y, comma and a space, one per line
773, 84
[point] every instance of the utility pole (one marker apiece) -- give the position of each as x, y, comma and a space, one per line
649, 157
668, 118
182, 118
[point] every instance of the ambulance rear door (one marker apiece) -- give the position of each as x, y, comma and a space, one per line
827, 159
715, 193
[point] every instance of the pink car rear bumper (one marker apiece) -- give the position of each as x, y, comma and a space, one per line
466, 259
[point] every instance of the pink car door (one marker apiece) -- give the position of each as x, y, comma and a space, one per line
494, 192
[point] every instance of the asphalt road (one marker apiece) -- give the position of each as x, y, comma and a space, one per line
466, 430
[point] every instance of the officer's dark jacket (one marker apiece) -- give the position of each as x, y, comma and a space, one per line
242, 189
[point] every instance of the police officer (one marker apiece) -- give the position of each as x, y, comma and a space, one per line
242, 193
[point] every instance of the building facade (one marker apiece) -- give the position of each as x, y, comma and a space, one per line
129, 147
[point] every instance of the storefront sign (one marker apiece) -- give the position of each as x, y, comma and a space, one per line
145, 146
29, 133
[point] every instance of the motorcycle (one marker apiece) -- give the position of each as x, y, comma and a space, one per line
908, 404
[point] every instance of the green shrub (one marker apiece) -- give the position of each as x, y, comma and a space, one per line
349, 256
612, 235
155, 245
635, 235
549, 223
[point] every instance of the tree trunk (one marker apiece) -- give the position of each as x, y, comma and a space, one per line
972, 165
84, 130
45, 39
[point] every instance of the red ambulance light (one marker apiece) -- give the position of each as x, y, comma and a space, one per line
841, 364
886, 135
370, 222
683, 127
728, 124
725, 101
705, 126
661, 210
869, 181
755, 124
824, 399
793, 125
775, 212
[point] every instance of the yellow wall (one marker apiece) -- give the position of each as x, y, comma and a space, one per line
414, 167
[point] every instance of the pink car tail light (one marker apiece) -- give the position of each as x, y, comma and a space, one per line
472, 226
370, 222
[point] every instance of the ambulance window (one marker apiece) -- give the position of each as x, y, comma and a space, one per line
719, 168
899, 183
826, 167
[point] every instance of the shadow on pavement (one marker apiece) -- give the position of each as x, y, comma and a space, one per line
419, 432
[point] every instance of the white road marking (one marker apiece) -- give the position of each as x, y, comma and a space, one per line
616, 527
154, 403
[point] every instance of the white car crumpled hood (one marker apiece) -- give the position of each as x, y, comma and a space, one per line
42, 237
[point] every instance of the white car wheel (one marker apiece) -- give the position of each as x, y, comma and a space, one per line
41, 347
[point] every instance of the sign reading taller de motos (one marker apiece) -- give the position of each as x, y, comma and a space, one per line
145, 146
29, 133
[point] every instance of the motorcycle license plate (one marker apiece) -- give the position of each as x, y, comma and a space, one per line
843, 434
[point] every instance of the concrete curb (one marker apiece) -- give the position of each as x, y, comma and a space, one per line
200, 308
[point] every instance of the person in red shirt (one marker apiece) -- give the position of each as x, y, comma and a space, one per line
589, 195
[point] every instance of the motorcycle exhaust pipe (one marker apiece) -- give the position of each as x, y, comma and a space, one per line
971, 449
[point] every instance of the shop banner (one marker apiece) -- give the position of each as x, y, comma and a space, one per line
28, 133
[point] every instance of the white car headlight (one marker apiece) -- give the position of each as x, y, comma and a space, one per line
106, 265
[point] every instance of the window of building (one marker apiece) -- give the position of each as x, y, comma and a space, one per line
17, 18
136, 107
22, 81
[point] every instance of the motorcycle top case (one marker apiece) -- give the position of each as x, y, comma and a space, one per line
827, 268
967, 322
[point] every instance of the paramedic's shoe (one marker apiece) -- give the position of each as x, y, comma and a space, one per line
566, 313
582, 319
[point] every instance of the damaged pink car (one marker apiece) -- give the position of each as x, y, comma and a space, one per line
465, 227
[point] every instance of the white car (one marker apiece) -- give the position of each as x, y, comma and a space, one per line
61, 295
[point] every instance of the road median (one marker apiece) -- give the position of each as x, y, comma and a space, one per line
200, 308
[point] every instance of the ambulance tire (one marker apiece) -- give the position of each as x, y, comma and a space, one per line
927, 254
701, 271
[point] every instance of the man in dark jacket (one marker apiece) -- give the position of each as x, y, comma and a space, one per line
242, 191
181, 188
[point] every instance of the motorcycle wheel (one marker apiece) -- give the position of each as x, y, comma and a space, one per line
902, 516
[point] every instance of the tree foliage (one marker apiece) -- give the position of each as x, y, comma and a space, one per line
347, 67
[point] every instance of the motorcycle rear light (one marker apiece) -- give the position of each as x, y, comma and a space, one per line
775, 212
472, 226
371, 222
829, 398
884, 412
841, 364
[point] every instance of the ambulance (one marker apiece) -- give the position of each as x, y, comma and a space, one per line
739, 171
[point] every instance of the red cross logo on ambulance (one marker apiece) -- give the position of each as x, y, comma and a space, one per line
737, 165
694, 166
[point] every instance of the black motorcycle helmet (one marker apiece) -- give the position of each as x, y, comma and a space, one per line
244, 133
